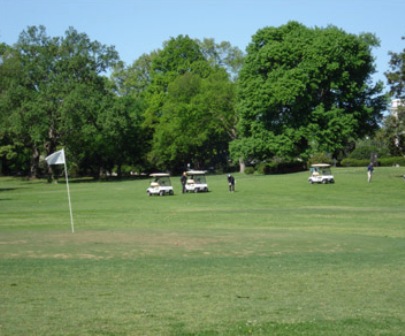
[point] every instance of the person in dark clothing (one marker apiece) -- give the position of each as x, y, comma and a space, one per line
370, 170
231, 182
183, 180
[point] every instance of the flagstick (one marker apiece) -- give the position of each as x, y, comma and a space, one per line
70, 204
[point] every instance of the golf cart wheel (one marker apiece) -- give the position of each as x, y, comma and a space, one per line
171, 193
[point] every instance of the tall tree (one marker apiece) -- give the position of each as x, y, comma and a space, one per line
304, 90
196, 123
394, 124
190, 107
56, 87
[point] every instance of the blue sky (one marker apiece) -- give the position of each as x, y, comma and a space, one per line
136, 27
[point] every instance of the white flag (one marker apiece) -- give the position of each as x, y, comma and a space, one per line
56, 158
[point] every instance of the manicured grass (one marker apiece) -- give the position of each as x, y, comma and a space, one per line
277, 257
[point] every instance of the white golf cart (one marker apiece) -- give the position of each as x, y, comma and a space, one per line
196, 181
321, 173
161, 185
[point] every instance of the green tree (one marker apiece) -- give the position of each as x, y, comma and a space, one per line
135, 79
305, 90
190, 107
122, 134
394, 124
367, 147
131, 85
393, 131
13, 153
53, 90
222, 55
196, 122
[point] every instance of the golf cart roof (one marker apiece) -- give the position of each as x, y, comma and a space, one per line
159, 174
196, 172
320, 165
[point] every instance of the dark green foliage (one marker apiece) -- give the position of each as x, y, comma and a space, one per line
280, 167
389, 161
320, 158
393, 131
348, 162
304, 90
301, 91
249, 170
190, 108
366, 148
54, 94
392, 161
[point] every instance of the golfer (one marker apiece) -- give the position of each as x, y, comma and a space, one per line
183, 180
231, 183
370, 170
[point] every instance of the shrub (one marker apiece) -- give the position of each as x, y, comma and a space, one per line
348, 162
263, 168
126, 170
367, 147
392, 161
384, 162
290, 167
320, 158
249, 170
280, 167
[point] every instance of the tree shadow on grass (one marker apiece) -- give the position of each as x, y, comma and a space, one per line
7, 189
4, 190
109, 179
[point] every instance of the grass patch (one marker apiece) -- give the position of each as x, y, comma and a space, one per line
277, 257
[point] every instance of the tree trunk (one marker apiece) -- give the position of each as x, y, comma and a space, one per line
102, 174
242, 166
50, 149
34, 162
119, 171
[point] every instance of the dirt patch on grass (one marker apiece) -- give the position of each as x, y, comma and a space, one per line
13, 242
133, 244
96, 245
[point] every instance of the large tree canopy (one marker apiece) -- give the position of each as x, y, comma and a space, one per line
304, 90
190, 106
53, 93
298, 91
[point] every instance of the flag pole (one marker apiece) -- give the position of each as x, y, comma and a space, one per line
70, 203
58, 158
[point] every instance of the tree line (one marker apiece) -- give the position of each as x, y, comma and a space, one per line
296, 92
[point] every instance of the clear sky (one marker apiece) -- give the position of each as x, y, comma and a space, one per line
136, 27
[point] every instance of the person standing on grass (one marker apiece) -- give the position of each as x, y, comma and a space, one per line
231, 183
370, 170
183, 180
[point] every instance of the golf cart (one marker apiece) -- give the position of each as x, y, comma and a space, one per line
321, 173
196, 181
161, 185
